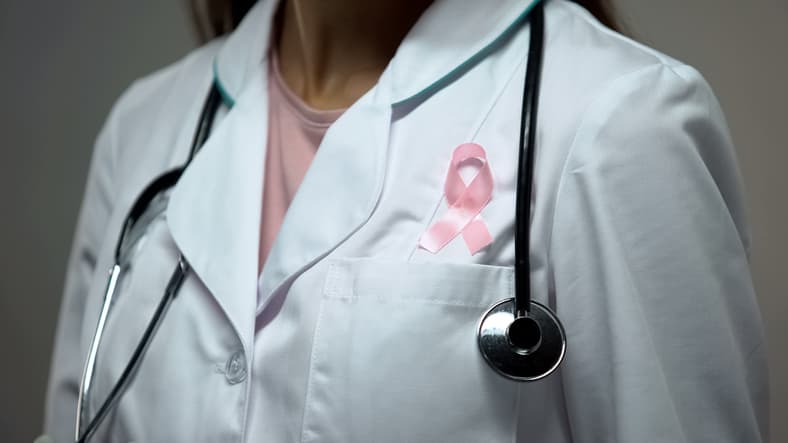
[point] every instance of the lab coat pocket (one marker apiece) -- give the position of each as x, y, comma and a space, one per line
395, 356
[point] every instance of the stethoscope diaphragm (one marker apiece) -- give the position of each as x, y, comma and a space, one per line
527, 348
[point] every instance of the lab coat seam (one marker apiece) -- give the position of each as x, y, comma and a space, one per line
588, 119
706, 95
245, 403
342, 283
587, 17
693, 76
113, 148
438, 301
745, 364
591, 123
118, 111
744, 235
684, 76
313, 356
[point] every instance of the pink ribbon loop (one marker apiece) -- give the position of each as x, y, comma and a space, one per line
465, 204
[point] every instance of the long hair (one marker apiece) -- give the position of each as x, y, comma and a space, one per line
213, 18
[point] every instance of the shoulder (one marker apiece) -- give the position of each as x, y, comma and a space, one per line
150, 124
623, 88
636, 122
593, 63
177, 79
160, 103
599, 81
599, 52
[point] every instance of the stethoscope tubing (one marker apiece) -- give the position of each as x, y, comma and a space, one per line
82, 431
89, 369
526, 159
521, 339
522, 298
176, 280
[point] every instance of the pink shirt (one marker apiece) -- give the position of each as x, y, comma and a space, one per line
294, 132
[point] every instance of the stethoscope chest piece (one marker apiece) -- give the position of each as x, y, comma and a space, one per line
523, 349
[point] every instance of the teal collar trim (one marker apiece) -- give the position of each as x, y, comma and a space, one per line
457, 72
431, 88
227, 99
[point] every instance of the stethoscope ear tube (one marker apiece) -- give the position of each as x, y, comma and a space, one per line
176, 280
162, 182
90, 364
84, 430
519, 338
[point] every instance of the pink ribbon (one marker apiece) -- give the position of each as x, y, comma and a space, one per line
465, 204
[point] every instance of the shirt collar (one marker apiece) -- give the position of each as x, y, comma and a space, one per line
449, 37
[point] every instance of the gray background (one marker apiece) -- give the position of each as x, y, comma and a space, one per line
64, 63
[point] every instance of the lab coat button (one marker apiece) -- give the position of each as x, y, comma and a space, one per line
235, 372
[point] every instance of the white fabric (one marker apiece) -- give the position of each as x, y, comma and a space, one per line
640, 244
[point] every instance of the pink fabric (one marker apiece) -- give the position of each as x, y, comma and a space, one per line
294, 134
465, 204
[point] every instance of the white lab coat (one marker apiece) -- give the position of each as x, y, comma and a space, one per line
353, 333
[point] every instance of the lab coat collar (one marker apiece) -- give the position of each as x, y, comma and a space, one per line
449, 37
214, 210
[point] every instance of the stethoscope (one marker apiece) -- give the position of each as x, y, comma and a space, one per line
519, 338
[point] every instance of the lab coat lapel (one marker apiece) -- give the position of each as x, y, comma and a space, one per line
338, 193
344, 182
239, 59
214, 210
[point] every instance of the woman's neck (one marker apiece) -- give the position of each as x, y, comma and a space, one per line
332, 51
